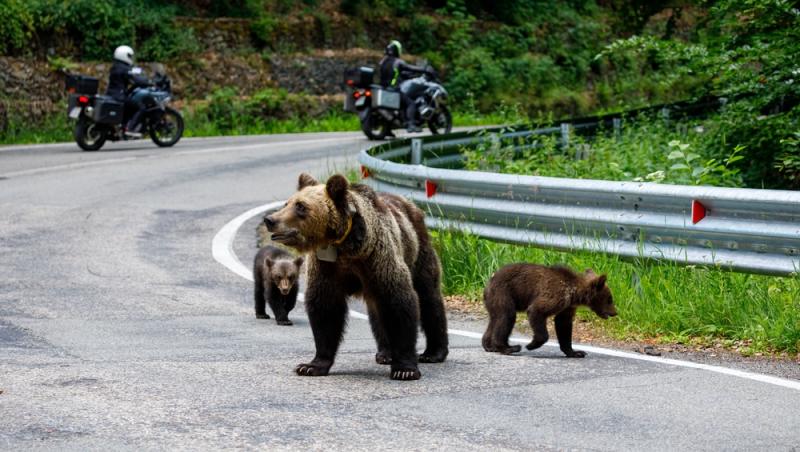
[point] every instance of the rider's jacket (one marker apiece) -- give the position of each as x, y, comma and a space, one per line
118, 80
393, 70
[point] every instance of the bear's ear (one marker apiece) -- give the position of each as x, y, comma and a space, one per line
336, 187
305, 180
599, 282
298, 262
269, 262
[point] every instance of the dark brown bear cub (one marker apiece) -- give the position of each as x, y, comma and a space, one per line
275, 273
542, 292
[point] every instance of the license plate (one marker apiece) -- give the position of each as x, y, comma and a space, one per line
75, 112
360, 102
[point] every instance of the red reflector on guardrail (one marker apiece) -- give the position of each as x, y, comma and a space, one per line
430, 188
364, 172
698, 211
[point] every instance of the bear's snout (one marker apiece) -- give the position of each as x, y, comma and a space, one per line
269, 222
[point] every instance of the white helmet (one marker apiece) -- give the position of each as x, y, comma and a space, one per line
124, 54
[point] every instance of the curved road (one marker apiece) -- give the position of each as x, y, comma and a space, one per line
119, 330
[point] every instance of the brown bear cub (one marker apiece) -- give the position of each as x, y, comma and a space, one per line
375, 245
275, 273
542, 292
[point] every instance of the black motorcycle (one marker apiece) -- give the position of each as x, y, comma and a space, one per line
379, 109
100, 118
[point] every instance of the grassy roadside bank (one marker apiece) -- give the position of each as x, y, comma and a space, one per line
667, 302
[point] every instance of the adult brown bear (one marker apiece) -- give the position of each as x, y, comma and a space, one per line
375, 245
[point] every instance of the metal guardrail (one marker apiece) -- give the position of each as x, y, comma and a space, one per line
746, 230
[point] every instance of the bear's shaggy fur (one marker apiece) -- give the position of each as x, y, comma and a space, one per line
382, 251
275, 273
542, 292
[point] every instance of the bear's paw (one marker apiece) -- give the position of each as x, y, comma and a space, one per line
312, 370
405, 374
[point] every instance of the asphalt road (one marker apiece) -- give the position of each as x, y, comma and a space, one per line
119, 330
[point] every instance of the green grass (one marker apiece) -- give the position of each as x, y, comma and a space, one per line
667, 301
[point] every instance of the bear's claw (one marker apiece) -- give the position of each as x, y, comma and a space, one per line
576, 354
311, 370
286, 322
262, 316
406, 374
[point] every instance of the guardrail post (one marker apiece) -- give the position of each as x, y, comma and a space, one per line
416, 151
617, 128
565, 135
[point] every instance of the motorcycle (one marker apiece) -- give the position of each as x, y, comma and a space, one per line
379, 109
100, 118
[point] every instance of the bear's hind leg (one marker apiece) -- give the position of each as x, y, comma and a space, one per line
383, 356
427, 285
326, 306
502, 314
398, 316
563, 323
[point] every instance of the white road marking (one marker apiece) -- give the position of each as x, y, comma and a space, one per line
228, 148
222, 250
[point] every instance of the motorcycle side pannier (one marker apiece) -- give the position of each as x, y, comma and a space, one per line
81, 84
107, 110
360, 77
384, 98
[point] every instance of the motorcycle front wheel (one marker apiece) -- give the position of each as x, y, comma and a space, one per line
168, 130
374, 126
89, 135
441, 122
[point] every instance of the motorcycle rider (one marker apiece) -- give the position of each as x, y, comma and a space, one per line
394, 71
120, 79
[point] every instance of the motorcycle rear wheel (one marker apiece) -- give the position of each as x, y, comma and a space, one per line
168, 130
374, 127
441, 122
89, 135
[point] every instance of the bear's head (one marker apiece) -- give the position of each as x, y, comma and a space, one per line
599, 295
316, 216
283, 273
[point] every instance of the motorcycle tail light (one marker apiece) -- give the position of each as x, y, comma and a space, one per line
83, 100
368, 93
357, 94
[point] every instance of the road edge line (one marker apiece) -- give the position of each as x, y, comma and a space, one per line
222, 251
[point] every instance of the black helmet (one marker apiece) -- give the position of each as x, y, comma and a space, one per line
394, 48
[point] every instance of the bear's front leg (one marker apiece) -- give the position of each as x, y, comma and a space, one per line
326, 306
563, 323
277, 302
259, 295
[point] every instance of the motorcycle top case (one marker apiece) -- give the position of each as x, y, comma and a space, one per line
107, 110
360, 77
81, 84
384, 98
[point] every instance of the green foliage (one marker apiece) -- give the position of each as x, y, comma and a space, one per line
646, 150
97, 25
16, 25
788, 162
748, 54
651, 299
